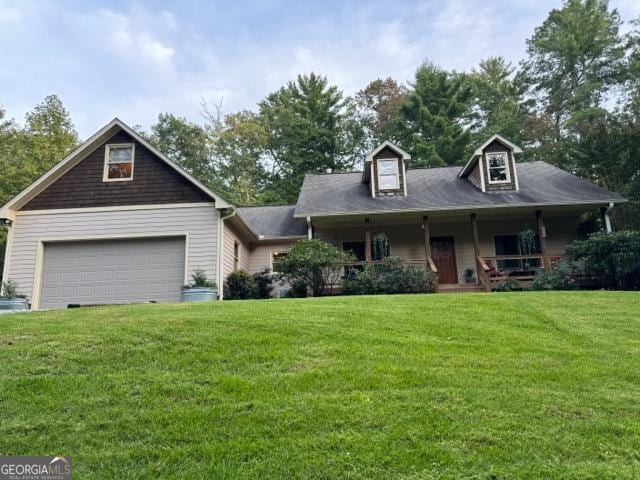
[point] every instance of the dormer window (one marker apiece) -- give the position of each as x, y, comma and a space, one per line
118, 162
388, 176
498, 167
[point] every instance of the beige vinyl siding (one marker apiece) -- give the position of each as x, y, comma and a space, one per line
198, 222
230, 237
261, 254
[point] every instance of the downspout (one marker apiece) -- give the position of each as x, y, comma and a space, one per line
309, 228
221, 250
8, 224
607, 218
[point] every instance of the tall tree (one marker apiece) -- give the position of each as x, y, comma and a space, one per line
574, 58
186, 143
26, 153
306, 124
632, 77
432, 119
499, 103
378, 108
239, 145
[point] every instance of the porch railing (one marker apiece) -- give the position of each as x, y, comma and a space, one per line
491, 272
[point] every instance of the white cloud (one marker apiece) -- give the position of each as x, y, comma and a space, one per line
10, 15
131, 38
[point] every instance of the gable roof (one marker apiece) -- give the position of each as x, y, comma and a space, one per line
81, 153
392, 146
435, 189
273, 222
478, 151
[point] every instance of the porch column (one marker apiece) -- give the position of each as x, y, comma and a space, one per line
367, 241
427, 238
542, 236
476, 245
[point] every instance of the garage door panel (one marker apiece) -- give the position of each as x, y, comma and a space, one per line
114, 271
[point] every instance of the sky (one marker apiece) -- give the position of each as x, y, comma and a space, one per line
136, 59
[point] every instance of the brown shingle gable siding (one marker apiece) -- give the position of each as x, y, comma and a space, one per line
154, 182
496, 146
387, 153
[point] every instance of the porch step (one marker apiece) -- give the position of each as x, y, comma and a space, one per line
459, 287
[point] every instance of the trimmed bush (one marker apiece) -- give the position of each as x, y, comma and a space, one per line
240, 285
558, 277
508, 285
388, 278
264, 283
612, 258
314, 263
297, 290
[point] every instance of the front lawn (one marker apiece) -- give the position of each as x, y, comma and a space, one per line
483, 386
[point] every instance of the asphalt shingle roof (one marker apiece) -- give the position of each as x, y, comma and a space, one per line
273, 221
440, 188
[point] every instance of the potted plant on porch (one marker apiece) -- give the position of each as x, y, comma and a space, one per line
201, 289
469, 276
10, 299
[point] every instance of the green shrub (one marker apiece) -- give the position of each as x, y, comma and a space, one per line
390, 277
559, 277
297, 290
314, 263
508, 285
199, 280
264, 283
612, 258
240, 285
10, 290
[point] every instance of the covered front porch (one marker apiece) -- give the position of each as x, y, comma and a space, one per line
469, 250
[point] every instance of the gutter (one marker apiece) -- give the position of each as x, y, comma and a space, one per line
221, 249
461, 208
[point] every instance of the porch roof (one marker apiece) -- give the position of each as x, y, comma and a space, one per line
432, 189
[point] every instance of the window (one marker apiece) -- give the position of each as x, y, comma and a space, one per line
498, 167
388, 174
236, 256
274, 259
118, 162
509, 245
356, 248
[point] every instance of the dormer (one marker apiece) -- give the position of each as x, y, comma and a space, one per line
385, 171
492, 167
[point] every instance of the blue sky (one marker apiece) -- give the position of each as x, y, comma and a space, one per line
135, 59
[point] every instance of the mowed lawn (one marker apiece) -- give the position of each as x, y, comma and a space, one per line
476, 386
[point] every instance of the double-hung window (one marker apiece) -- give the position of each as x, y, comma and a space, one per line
118, 162
388, 177
498, 167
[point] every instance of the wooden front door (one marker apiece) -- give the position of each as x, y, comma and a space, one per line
443, 254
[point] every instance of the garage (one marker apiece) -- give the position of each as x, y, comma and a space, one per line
112, 271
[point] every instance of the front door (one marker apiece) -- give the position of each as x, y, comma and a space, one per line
443, 254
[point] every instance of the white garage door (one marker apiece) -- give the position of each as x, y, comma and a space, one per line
112, 271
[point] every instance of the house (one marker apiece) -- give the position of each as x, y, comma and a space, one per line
116, 221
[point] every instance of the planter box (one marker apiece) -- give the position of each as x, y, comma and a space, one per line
198, 295
14, 304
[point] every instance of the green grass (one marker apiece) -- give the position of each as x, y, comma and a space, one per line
476, 386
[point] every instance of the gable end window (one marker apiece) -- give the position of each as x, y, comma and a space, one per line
118, 162
498, 167
388, 177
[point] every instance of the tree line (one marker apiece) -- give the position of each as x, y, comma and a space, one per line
574, 101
